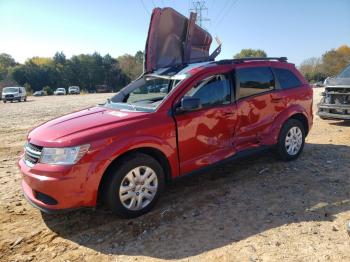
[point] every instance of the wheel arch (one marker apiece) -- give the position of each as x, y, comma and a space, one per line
151, 151
293, 112
302, 118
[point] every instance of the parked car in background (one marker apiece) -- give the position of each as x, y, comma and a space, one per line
60, 91
123, 152
74, 90
335, 103
15, 93
319, 84
39, 93
103, 89
164, 90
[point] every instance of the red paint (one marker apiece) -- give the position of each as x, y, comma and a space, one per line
188, 141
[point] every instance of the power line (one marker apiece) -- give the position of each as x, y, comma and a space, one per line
219, 14
198, 6
226, 13
145, 7
154, 5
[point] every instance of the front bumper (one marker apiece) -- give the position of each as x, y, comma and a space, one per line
10, 98
334, 111
55, 189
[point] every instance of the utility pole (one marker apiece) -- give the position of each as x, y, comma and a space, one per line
198, 6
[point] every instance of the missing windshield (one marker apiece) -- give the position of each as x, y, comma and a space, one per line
144, 94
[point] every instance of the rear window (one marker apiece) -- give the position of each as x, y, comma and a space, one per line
255, 80
286, 78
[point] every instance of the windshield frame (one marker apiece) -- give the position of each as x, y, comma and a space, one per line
123, 93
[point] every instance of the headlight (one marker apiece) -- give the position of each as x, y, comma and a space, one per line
63, 155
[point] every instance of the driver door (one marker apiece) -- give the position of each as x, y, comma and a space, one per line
205, 135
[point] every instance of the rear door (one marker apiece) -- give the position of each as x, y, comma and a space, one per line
255, 105
205, 136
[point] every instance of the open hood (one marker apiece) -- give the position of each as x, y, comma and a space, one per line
175, 40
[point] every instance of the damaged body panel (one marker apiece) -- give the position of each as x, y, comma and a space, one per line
335, 103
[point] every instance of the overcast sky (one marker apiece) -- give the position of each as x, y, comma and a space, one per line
294, 28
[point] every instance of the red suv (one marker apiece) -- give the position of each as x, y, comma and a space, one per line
184, 114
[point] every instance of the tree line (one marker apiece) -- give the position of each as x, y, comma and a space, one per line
85, 70
331, 63
314, 69
90, 70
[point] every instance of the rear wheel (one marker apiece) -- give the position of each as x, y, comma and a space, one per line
4, 101
135, 186
25, 99
291, 140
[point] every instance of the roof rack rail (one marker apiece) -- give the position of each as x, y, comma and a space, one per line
242, 60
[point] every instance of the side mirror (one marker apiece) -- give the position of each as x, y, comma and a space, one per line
189, 104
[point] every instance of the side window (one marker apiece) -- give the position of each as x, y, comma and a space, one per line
254, 80
212, 91
19, 90
286, 78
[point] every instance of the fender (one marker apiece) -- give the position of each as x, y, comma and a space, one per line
280, 119
111, 152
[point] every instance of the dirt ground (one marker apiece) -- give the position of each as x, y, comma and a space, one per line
256, 209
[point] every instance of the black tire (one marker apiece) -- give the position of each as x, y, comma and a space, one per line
4, 101
281, 149
20, 99
25, 99
116, 175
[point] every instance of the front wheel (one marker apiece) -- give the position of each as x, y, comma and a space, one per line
291, 140
135, 186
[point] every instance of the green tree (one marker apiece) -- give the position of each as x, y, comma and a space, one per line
59, 58
48, 90
330, 64
6, 63
248, 52
85, 70
335, 60
28, 88
139, 57
132, 66
311, 68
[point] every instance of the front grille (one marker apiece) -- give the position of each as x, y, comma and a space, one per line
32, 154
9, 96
337, 96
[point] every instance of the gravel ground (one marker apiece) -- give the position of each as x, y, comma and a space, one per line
256, 209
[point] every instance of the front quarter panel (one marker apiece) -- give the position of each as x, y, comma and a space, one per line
159, 135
